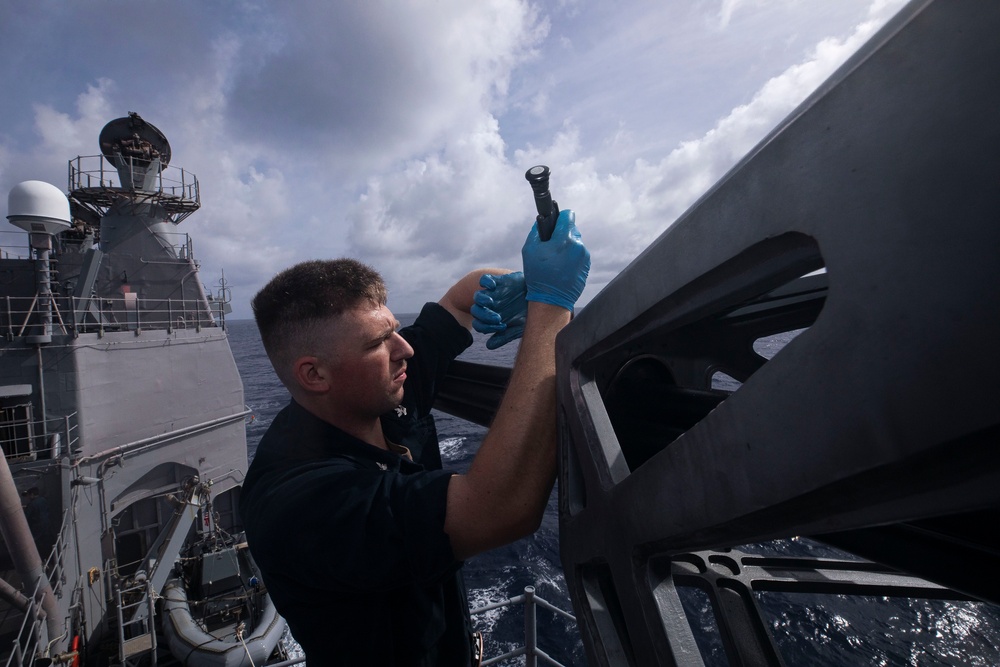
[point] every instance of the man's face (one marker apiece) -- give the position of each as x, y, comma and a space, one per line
369, 361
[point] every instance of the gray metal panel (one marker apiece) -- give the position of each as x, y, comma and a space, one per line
11, 390
885, 409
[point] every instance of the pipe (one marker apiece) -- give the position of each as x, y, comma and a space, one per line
13, 597
41, 396
132, 447
530, 628
24, 553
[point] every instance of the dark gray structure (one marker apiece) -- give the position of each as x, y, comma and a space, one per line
868, 220
876, 429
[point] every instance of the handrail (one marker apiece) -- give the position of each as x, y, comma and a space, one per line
16, 241
19, 315
25, 438
95, 172
25, 645
161, 438
530, 650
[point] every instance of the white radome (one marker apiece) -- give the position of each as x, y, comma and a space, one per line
37, 206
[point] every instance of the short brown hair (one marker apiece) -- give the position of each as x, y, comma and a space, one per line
290, 307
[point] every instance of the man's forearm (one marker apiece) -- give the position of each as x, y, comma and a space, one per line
458, 299
503, 495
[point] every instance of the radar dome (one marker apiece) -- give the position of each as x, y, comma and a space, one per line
37, 206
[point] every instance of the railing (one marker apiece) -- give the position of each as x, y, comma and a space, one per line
14, 245
95, 171
94, 181
22, 316
24, 438
530, 650
26, 645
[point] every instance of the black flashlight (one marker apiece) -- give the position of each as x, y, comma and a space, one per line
548, 210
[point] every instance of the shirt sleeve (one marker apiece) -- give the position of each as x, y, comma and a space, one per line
436, 338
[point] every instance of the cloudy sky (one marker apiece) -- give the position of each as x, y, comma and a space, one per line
399, 131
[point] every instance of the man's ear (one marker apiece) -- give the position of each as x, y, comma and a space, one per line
311, 375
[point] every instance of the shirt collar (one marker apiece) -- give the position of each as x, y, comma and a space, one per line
321, 439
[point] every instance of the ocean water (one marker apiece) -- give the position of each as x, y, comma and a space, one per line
820, 630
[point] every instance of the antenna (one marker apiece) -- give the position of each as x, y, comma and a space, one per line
42, 210
137, 149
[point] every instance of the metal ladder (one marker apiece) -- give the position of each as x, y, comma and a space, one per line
136, 636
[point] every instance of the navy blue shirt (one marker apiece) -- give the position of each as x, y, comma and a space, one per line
350, 538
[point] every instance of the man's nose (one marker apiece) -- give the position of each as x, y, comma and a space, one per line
402, 349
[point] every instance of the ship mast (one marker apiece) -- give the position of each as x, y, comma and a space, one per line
140, 154
134, 217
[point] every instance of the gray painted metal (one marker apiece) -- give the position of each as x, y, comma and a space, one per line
472, 391
159, 561
132, 397
883, 411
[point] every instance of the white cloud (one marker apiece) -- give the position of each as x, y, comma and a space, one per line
620, 214
401, 136
727, 10
427, 223
61, 134
372, 85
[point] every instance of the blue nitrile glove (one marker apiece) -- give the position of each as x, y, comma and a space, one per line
500, 308
555, 271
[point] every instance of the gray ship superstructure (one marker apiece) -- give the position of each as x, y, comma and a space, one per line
121, 421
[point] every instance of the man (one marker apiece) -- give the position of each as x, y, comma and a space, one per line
359, 534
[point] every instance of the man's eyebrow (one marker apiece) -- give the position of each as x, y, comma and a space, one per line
385, 333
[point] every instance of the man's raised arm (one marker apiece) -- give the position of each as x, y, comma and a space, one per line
503, 495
